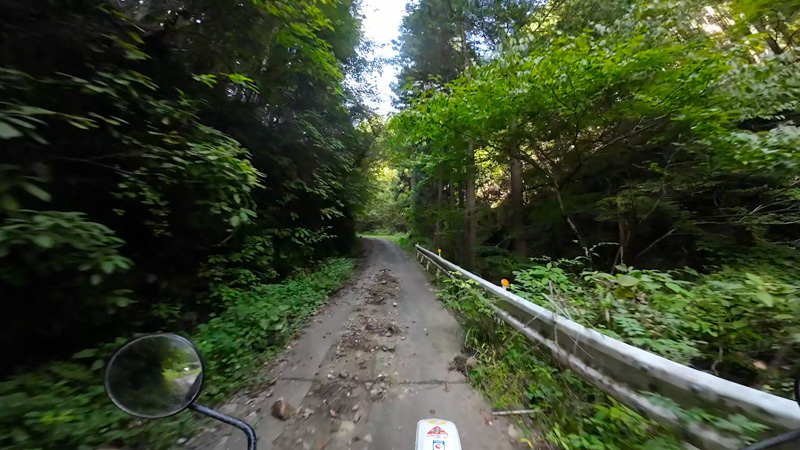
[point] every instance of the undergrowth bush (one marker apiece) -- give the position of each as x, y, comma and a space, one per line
740, 321
63, 404
567, 411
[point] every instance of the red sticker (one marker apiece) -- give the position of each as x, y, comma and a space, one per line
436, 431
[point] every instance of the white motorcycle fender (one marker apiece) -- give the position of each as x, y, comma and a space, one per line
437, 434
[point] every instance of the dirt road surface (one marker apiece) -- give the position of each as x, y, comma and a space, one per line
374, 361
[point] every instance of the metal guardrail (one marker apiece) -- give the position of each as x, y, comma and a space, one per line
624, 371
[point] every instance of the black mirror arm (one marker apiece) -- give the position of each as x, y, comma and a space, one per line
247, 429
776, 441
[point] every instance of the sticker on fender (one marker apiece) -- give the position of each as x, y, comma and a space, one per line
436, 431
438, 445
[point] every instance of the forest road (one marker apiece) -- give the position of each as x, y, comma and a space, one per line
374, 361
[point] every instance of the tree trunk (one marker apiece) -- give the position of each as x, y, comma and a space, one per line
469, 260
624, 237
581, 240
517, 204
773, 45
437, 236
787, 36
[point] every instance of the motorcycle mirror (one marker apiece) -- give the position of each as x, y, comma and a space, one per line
797, 389
155, 376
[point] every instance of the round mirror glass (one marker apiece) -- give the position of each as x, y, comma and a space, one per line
155, 376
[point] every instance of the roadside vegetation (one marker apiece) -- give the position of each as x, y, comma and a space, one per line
566, 410
561, 408
738, 321
63, 404
188, 166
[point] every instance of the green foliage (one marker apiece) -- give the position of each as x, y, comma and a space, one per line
638, 115
164, 165
260, 320
252, 264
64, 405
568, 412
386, 209
86, 246
729, 321
734, 424
152, 158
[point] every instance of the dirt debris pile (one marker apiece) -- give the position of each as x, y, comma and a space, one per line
354, 337
382, 326
339, 395
385, 288
361, 333
463, 363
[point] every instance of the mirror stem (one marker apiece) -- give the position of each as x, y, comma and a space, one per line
776, 441
247, 429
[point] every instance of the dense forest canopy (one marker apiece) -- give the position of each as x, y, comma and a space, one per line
567, 98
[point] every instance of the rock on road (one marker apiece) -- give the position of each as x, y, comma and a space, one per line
364, 371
